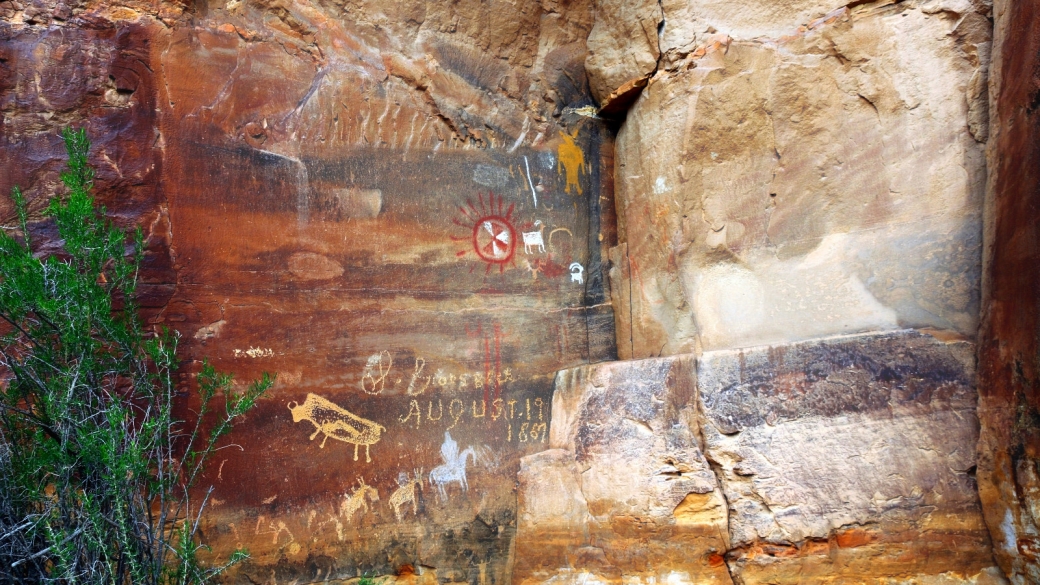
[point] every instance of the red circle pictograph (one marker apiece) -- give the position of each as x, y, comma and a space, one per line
494, 239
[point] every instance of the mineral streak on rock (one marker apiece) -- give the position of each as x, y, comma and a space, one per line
1009, 344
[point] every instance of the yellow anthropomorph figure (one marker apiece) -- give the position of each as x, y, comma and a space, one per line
571, 162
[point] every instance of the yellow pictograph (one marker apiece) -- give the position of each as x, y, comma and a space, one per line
571, 162
405, 494
356, 500
338, 423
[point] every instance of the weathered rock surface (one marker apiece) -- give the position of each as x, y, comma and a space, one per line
848, 459
798, 186
625, 494
1009, 338
405, 210
623, 49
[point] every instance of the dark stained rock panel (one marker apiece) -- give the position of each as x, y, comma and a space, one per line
1009, 337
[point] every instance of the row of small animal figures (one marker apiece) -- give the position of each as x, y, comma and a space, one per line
453, 470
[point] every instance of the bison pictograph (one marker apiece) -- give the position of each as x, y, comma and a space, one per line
334, 421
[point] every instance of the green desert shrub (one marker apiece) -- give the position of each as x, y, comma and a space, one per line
97, 477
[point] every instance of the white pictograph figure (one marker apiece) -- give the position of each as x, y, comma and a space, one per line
453, 470
576, 273
534, 194
534, 239
405, 493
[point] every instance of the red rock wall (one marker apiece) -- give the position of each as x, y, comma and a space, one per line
1009, 338
344, 193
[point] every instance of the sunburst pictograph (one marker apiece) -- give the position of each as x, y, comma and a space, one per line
492, 236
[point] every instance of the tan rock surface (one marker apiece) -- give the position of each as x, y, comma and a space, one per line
623, 48
808, 185
847, 458
844, 460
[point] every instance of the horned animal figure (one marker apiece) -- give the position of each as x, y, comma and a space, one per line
576, 273
534, 238
356, 500
406, 493
453, 470
338, 423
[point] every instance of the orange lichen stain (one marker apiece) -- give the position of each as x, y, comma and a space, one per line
571, 162
716, 560
854, 537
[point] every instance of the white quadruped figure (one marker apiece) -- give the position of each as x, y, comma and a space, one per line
534, 239
577, 271
453, 470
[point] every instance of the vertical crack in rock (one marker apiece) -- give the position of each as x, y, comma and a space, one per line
716, 470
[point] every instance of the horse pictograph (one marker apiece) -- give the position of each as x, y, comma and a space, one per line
338, 423
453, 470
356, 500
406, 493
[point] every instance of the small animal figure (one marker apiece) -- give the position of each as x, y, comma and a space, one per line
406, 493
453, 470
338, 423
576, 273
534, 239
356, 500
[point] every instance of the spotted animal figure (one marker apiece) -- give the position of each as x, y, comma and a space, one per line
453, 470
356, 500
406, 493
338, 423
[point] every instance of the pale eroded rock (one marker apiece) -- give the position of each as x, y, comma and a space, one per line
821, 183
623, 48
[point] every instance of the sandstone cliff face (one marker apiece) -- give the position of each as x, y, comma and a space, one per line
786, 173
1009, 337
848, 459
406, 210
396, 208
815, 182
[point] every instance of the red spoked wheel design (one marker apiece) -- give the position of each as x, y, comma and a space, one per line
494, 239
492, 236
